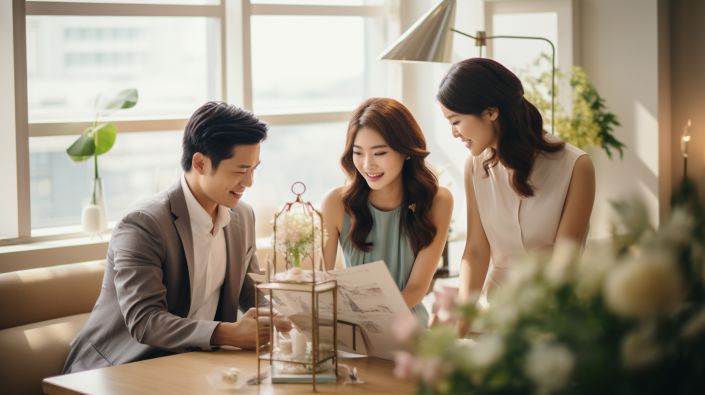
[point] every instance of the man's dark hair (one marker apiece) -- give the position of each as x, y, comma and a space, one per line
215, 128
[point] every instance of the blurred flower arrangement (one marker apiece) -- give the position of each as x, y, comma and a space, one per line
628, 318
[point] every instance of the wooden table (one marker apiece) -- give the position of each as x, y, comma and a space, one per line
187, 374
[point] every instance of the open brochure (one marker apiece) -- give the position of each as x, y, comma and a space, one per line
368, 299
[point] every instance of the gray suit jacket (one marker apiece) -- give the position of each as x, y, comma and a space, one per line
146, 291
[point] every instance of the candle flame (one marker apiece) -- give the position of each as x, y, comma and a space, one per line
685, 138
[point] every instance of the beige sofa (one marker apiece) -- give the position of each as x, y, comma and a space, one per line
42, 310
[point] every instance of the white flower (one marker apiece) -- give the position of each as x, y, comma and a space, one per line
592, 269
549, 366
525, 273
695, 327
640, 349
295, 228
495, 316
634, 216
560, 267
679, 228
488, 350
644, 286
298, 234
525, 270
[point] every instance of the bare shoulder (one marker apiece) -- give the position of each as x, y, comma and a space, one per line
443, 197
584, 170
334, 198
442, 206
332, 206
468, 165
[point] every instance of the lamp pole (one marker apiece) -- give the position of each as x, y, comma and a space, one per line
481, 41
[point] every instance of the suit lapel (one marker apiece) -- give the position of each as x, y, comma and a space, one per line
182, 222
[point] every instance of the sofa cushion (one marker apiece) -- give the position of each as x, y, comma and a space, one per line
35, 295
34, 351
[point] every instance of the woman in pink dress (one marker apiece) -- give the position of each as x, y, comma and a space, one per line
525, 188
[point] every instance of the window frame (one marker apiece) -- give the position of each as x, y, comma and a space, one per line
31, 248
567, 38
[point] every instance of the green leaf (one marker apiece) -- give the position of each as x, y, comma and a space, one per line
125, 99
104, 137
83, 148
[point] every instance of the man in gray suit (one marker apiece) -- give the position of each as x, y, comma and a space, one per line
176, 270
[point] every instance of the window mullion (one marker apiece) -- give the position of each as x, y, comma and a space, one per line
24, 228
43, 129
316, 10
114, 9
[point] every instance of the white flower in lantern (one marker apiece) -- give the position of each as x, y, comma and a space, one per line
295, 236
298, 232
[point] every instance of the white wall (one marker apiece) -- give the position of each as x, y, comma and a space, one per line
619, 52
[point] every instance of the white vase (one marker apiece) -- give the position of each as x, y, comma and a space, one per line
94, 218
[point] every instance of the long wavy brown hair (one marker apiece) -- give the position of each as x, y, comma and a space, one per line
403, 134
474, 85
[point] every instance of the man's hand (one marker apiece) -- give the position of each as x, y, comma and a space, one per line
282, 323
243, 333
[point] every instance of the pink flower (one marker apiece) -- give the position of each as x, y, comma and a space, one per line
430, 370
446, 301
405, 365
405, 326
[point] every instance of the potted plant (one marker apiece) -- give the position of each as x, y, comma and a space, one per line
97, 140
591, 124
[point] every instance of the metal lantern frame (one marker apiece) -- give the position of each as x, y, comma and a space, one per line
315, 288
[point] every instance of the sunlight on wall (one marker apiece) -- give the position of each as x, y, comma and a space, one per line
646, 133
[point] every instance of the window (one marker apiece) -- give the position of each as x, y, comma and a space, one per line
306, 80
302, 66
551, 19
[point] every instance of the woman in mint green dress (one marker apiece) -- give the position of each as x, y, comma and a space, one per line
392, 207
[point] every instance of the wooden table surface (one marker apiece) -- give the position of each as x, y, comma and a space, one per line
187, 374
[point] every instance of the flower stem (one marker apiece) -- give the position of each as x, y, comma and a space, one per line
96, 177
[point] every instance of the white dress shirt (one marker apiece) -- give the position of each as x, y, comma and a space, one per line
209, 256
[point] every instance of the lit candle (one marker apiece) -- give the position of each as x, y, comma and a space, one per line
685, 139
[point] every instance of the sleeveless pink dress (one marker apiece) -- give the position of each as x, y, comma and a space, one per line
515, 224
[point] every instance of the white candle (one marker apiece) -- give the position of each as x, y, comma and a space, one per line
298, 343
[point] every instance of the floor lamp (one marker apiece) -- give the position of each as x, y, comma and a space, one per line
429, 40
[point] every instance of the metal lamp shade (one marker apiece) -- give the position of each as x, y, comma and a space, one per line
429, 39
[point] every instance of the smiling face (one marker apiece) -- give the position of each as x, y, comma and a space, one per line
375, 160
475, 131
226, 184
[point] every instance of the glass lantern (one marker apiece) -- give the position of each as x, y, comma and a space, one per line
299, 288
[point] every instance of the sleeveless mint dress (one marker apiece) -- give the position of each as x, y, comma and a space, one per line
389, 245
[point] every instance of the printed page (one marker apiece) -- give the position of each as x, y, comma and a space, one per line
367, 297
